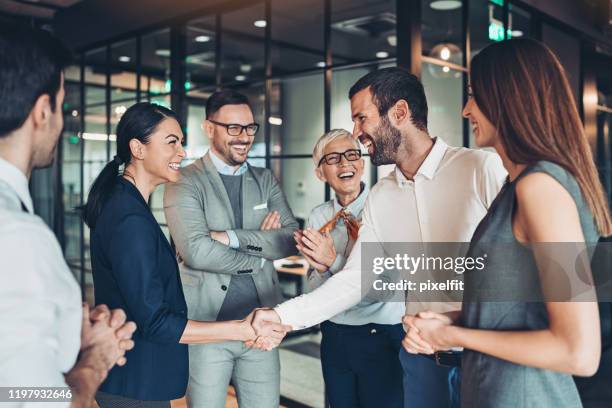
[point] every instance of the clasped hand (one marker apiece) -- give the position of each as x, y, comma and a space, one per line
427, 332
317, 248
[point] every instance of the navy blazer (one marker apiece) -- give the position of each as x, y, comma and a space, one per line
135, 269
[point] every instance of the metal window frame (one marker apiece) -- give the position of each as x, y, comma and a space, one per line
408, 54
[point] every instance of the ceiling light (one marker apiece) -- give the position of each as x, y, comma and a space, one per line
75, 113
162, 52
240, 77
273, 120
120, 110
445, 69
392, 40
321, 64
259, 23
124, 58
517, 33
445, 53
445, 5
382, 54
100, 137
246, 68
202, 38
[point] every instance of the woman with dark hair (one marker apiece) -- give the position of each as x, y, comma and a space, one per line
529, 318
134, 266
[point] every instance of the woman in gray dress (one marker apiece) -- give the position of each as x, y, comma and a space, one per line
522, 326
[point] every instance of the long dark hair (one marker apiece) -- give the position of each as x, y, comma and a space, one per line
138, 122
529, 101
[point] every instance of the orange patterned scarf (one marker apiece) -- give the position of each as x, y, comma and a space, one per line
352, 225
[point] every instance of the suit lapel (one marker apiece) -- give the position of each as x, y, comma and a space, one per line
213, 176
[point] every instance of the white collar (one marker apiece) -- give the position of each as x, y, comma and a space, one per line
224, 168
18, 181
430, 164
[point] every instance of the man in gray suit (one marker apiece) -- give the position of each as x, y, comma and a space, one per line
229, 220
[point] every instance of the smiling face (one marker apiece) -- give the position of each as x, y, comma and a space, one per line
163, 154
232, 150
345, 177
485, 134
376, 133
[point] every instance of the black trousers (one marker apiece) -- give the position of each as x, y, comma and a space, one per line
361, 366
105, 400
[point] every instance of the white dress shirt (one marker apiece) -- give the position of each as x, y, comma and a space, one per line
366, 311
40, 301
450, 194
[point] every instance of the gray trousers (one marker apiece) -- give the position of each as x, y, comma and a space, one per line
254, 374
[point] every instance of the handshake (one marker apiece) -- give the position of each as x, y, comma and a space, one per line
263, 329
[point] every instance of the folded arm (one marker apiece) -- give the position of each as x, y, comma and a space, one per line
274, 243
186, 217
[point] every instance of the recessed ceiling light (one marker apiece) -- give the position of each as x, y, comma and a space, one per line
445, 53
245, 68
392, 40
321, 64
259, 23
240, 77
445, 69
163, 52
517, 33
75, 113
445, 5
124, 58
202, 38
273, 120
382, 54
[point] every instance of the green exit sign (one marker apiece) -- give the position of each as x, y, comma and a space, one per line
496, 31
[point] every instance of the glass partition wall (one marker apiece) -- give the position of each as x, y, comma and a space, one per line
296, 62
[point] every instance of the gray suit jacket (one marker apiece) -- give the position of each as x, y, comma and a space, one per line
198, 203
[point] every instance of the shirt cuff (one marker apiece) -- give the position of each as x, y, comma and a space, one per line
338, 264
324, 275
288, 316
233, 239
316, 278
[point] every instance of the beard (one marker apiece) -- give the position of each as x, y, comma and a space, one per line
229, 156
386, 140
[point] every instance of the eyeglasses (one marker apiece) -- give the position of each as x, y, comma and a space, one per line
234, 129
336, 157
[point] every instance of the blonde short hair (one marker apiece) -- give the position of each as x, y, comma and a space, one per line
329, 137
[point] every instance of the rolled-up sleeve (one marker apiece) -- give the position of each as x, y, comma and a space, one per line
133, 253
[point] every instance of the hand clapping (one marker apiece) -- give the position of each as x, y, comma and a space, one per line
317, 248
